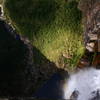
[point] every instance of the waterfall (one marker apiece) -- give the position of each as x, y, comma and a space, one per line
1, 11
85, 82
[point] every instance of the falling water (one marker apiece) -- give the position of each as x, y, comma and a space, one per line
86, 82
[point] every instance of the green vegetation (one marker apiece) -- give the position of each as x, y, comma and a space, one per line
53, 26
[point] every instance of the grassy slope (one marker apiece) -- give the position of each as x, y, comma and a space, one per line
53, 26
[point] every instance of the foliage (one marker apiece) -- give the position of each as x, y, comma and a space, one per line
53, 26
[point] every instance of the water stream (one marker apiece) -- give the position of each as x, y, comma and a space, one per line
83, 85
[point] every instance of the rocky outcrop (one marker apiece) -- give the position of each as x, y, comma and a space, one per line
91, 14
15, 63
91, 20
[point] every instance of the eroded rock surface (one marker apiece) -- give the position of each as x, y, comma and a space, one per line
91, 21
91, 14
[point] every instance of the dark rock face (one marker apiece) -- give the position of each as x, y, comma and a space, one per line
96, 95
54, 87
15, 63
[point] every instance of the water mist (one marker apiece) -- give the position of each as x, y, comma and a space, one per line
86, 83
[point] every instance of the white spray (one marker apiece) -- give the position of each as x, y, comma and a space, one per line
2, 12
85, 82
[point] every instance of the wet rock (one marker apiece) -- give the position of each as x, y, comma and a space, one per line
96, 61
74, 95
86, 60
96, 95
54, 87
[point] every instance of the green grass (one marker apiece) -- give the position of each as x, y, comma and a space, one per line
53, 26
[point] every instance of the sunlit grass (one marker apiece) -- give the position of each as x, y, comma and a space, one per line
70, 44
53, 27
